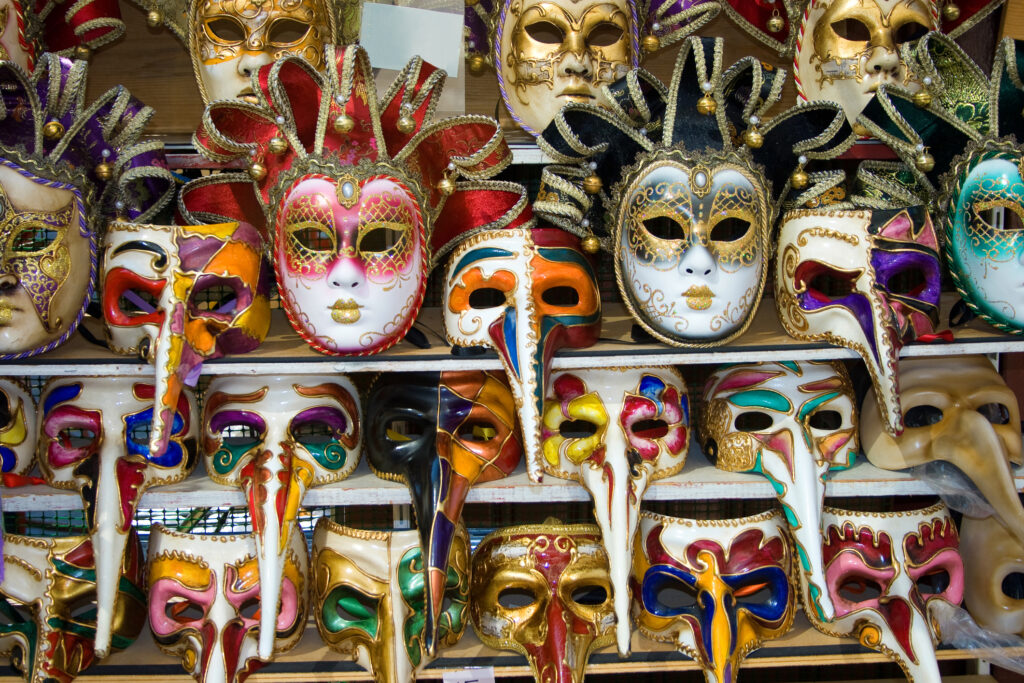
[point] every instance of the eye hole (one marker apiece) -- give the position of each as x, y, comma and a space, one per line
241, 435
545, 32
664, 228
314, 238
831, 284
909, 31
380, 239
826, 419
84, 612
476, 431
604, 35
76, 437
486, 297
591, 596
1013, 586
560, 296
287, 32
908, 282
33, 238
650, 429
213, 296
922, 416
675, 598
140, 432
996, 413
515, 598
182, 611
754, 594
753, 421
225, 30
933, 583
403, 430
137, 302
250, 609
1001, 218
859, 589
852, 29
314, 433
6, 413
729, 230
577, 429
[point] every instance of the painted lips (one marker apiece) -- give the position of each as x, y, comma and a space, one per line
698, 297
345, 311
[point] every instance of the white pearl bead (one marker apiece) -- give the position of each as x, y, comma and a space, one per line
802, 159
655, 26
754, 120
585, 223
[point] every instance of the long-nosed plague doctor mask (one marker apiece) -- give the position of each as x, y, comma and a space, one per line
993, 573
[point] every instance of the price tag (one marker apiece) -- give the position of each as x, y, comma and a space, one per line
392, 35
484, 674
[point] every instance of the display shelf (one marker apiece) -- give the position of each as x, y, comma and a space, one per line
765, 340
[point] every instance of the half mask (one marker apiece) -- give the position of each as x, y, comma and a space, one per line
684, 204
886, 572
958, 410
350, 186
792, 422
371, 590
441, 433
716, 589
48, 602
993, 568
276, 437
866, 279
205, 601
181, 295
94, 438
543, 590
17, 427
615, 431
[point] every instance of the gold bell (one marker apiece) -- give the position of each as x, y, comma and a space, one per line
343, 123
592, 184
82, 52
925, 162
776, 24
922, 98
752, 138
706, 105
406, 124
104, 171
650, 43
277, 145
590, 244
799, 179
950, 11
54, 130
446, 186
476, 63
154, 18
257, 171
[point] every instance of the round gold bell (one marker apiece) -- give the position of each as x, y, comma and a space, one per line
799, 179
476, 63
706, 105
406, 124
592, 184
343, 123
104, 171
752, 138
776, 23
54, 130
257, 171
154, 18
950, 11
446, 186
590, 244
925, 162
82, 52
650, 43
277, 145
922, 98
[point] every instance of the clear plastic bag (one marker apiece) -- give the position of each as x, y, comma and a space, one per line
957, 491
958, 629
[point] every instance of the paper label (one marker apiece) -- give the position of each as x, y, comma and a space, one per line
484, 674
393, 35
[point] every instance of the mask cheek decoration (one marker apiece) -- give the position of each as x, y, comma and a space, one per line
17, 428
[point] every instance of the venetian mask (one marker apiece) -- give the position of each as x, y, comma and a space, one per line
14, 46
17, 427
692, 239
543, 591
441, 433
229, 40
715, 589
615, 431
48, 602
868, 280
351, 261
792, 422
180, 295
846, 48
958, 410
371, 590
94, 438
205, 605
993, 569
527, 293
886, 571
47, 261
276, 437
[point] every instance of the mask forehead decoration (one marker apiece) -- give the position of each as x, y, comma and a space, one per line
615, 431
526, 293
993, 565
17, 427
351, 187
961, 411
49, 584
180, 295
685, 204
63, 173
716, 589
371, 590
846, 48
94, 438
205, 601
441, 433
550, 52
957, 149
866, 279
911, 562
276, 437
543, 590
793, 422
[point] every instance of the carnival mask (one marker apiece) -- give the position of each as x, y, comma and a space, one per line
441, 433
716, 589
868, 280
886, 571
94, 438
229, 40
544, 591
958, 410
371, 592
48, 602
993, 569
14, 46
276, 437
527, 293
792, 422
693, 239
181, 295
615, 431
205, 604
846, 48
17, 427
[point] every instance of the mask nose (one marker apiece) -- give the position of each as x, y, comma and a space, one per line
697, 261
253, 58
883, 60
346, 275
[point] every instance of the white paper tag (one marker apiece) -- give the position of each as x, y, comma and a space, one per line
393, 35
484, 674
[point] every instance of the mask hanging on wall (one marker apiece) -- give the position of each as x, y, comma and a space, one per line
615, 431
371, 591
993, 567
17, 428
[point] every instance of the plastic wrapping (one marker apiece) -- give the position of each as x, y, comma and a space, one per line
955, 488
956, 628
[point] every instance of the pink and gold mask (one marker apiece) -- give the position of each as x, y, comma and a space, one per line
17, 428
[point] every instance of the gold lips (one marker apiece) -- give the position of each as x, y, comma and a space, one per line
6, 313
345, 312
698, 297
